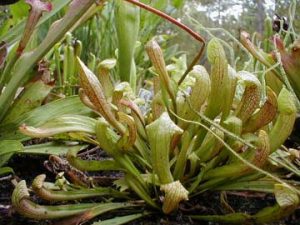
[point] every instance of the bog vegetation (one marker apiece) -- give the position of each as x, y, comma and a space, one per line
83, 75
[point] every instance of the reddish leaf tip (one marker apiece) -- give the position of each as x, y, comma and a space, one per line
40, 5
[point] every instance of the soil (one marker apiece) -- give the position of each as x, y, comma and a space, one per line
28, 167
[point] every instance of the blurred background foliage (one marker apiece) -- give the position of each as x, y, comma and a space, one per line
201, 15
233, 16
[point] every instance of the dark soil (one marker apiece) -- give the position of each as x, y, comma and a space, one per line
27, 167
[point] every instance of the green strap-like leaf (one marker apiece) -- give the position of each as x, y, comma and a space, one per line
7, 149
91, 165
52, 148
31, 97
121, 219
27, 61
63, 124
38, 116
5, 170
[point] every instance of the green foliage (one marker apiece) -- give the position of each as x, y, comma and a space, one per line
213, 131
121, 219
18, 66
8, 148
127, 19
31, 46
159, 151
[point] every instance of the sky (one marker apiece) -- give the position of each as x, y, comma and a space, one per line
236, 10
270, 4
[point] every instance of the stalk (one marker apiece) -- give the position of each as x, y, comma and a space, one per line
127, 18
27, 208
267, 34
161, 133
186, 146
219, 78
69, 65
199, 93
108, 142
51, 195
168, 86
136, 186
58, 67
220, 84
285, 121
209, 147
231, 88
